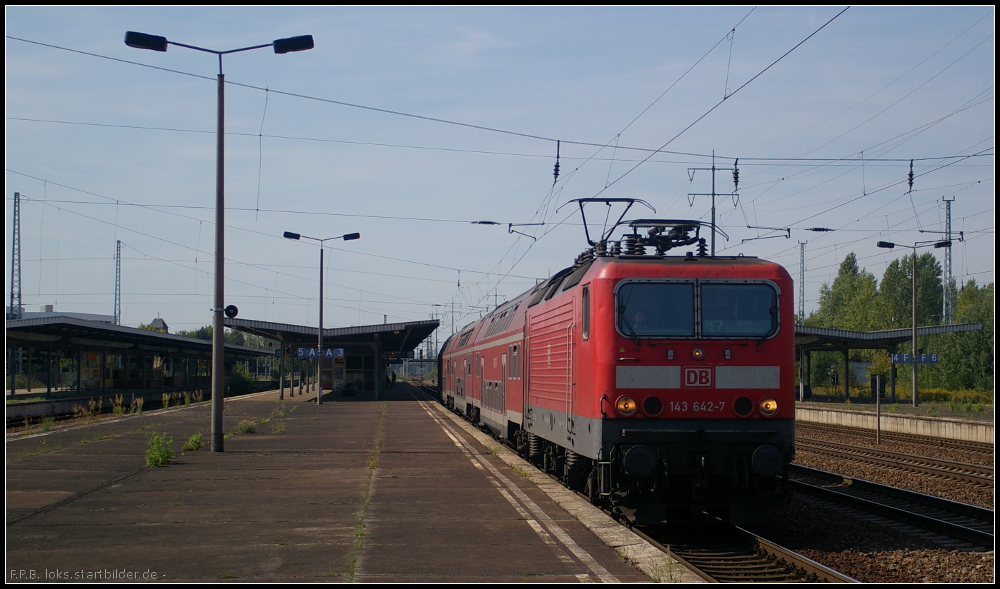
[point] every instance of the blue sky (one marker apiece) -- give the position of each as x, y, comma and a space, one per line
104, 149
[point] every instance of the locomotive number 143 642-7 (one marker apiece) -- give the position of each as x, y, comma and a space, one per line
697, 406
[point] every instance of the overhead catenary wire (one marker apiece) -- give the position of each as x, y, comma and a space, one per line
884, 87
267, 90
230, 260
748, 159
517, 249
546, 202
718, 104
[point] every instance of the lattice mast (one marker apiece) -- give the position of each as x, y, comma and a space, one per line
802, 282
15, 261
947, 309
118, 283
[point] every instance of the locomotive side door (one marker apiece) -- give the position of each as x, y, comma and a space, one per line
570, 376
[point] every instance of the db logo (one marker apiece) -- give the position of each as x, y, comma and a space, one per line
698, 377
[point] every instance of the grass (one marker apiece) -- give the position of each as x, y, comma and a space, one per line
98, 438
42, 448
372, 464
966, 407
117, 408
24, 400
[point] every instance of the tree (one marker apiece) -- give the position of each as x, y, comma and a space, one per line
850, 302
966, 357
896, 293
855, 301
231, 336
200, 333
149, 327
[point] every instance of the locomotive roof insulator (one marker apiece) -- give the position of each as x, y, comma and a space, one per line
661, 234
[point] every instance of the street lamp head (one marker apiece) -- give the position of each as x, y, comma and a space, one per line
144, 41
301, 43
351, 236
886, 244
290, 235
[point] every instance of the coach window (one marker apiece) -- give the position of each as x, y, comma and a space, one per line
515, 362
738, 310
585, 297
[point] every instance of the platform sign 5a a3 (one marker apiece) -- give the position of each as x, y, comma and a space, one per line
311, 353
910, 358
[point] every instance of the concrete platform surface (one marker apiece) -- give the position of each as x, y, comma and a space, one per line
354, 489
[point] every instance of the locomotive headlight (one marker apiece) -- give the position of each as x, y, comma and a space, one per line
698, 354
626, 406
768, 406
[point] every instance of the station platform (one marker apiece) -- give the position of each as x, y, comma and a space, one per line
926, 420
354, 489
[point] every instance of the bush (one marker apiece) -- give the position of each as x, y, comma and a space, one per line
246, 426
932, 395
194, 442
160, 450
241, 382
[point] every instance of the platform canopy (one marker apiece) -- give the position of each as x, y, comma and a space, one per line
822, 338
67, 332
390, 337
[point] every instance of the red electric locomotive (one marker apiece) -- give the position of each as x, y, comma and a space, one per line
659, 385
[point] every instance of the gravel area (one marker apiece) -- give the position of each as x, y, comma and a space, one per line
873, 552
956, 455
963, 493
868, 551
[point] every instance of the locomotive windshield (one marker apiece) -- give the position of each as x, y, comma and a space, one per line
667, 309
738, 310
656, 309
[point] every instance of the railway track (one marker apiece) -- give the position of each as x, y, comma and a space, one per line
721, 553
967, 523
984, 447
431, 392
956, 471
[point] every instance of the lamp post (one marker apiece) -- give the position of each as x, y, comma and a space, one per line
890, 245
319, 337
156, 43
